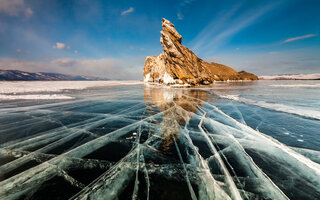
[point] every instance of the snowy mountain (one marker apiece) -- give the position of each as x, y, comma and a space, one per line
16, 75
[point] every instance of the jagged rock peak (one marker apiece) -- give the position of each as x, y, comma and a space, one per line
168, 29
179, 65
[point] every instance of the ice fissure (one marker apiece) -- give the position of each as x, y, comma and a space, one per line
169, 143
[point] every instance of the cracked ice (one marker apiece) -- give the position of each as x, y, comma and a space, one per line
138, 142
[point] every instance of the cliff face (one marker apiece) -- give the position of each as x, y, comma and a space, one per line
179, 65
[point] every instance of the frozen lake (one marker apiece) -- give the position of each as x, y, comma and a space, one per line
126, 140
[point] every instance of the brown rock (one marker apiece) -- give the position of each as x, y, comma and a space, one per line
179, 65
247, 76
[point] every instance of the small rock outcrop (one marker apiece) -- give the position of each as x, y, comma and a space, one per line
179, 65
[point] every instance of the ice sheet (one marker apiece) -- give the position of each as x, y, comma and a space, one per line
14, 87
34, 96
146, 143
307, 112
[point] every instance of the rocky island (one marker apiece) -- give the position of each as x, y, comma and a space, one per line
179, 65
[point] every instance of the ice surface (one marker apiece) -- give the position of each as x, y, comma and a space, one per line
298, 85
144, 142
275, 106
14, 87
279, 95
293, 76
43, 90
34, 96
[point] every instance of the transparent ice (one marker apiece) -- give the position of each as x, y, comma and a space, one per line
149, 142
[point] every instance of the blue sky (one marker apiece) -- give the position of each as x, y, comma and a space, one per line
112, 38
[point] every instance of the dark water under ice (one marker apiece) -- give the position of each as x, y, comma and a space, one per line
255, 140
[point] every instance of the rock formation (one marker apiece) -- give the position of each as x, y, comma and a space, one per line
179, 65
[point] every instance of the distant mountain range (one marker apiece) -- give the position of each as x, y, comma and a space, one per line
292, 77
17, 75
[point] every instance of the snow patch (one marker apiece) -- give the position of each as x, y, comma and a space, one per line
34, 96
147, 78
167, 79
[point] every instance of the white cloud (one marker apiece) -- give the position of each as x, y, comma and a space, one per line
61, 46
125, 69
76, 52
299, 38
104, 67
22, 51
15, 8
272, 63
18, 64
273, 52
64, 62
28, 13
130, 10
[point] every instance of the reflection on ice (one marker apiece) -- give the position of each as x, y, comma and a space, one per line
165, 144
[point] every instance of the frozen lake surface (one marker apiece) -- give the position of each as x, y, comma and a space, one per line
126, 140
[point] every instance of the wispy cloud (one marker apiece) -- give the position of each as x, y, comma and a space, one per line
21, 51
228, 24
214, 27
299, 38
15, 8
61, 46
183, 4
273, 52
28, 13
125, 12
